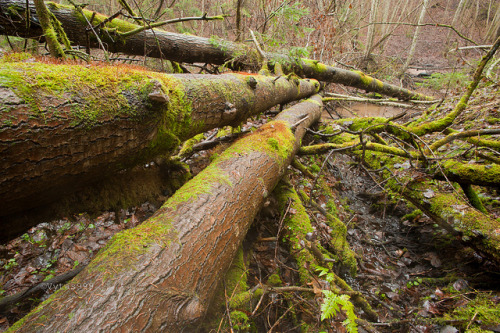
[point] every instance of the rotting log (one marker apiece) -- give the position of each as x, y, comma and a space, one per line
178, 47
161, 275
64, 126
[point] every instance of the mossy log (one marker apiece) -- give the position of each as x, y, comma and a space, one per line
456, 215
65, 126
115, 34
449, 209
465, 173
162, 275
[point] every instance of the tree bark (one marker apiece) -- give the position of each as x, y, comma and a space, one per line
63, 126
181, 48
162, 275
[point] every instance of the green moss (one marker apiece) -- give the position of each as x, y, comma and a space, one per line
20, 323
296, 226
88, 96
474, 199
314, 168
16, 57
236, 277
187, 146
492, 120
412, 216
317, 66
93, 94
274, 138
125, 247
116, 25
365, 79
474, 173
240, 321
273, 143
483, 308
274, 280
341, 251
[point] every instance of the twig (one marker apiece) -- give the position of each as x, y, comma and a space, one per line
319, 173
80, 10
257, 46
475, 47
425, 25
204, 17
298, 123
227, 309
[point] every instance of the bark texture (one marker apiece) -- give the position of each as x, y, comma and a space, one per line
63, 126
178, 47
161, 276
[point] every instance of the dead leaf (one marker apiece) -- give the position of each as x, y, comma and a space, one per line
317, 288
433, 258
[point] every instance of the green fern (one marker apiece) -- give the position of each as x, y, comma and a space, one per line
332, 305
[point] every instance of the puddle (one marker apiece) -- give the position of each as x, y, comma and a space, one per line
356, 109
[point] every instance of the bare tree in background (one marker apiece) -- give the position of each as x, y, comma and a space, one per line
413, 46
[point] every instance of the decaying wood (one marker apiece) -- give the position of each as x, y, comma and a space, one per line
180, 47
162, 275
64, 126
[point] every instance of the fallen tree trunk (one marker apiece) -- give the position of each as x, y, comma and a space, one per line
120, 36
63, 126
162, 275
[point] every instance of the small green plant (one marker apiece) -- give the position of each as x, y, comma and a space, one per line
415, 283
332, 305
11, 263
66, 226
26, 238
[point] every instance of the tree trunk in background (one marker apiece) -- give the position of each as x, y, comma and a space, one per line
181, 48
161, 275
458, 12
371, 29
64, 126
413, 46
238, 19
494, 26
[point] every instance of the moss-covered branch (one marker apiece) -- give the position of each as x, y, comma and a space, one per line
50, 34
441, 124
465, 173
465, 134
